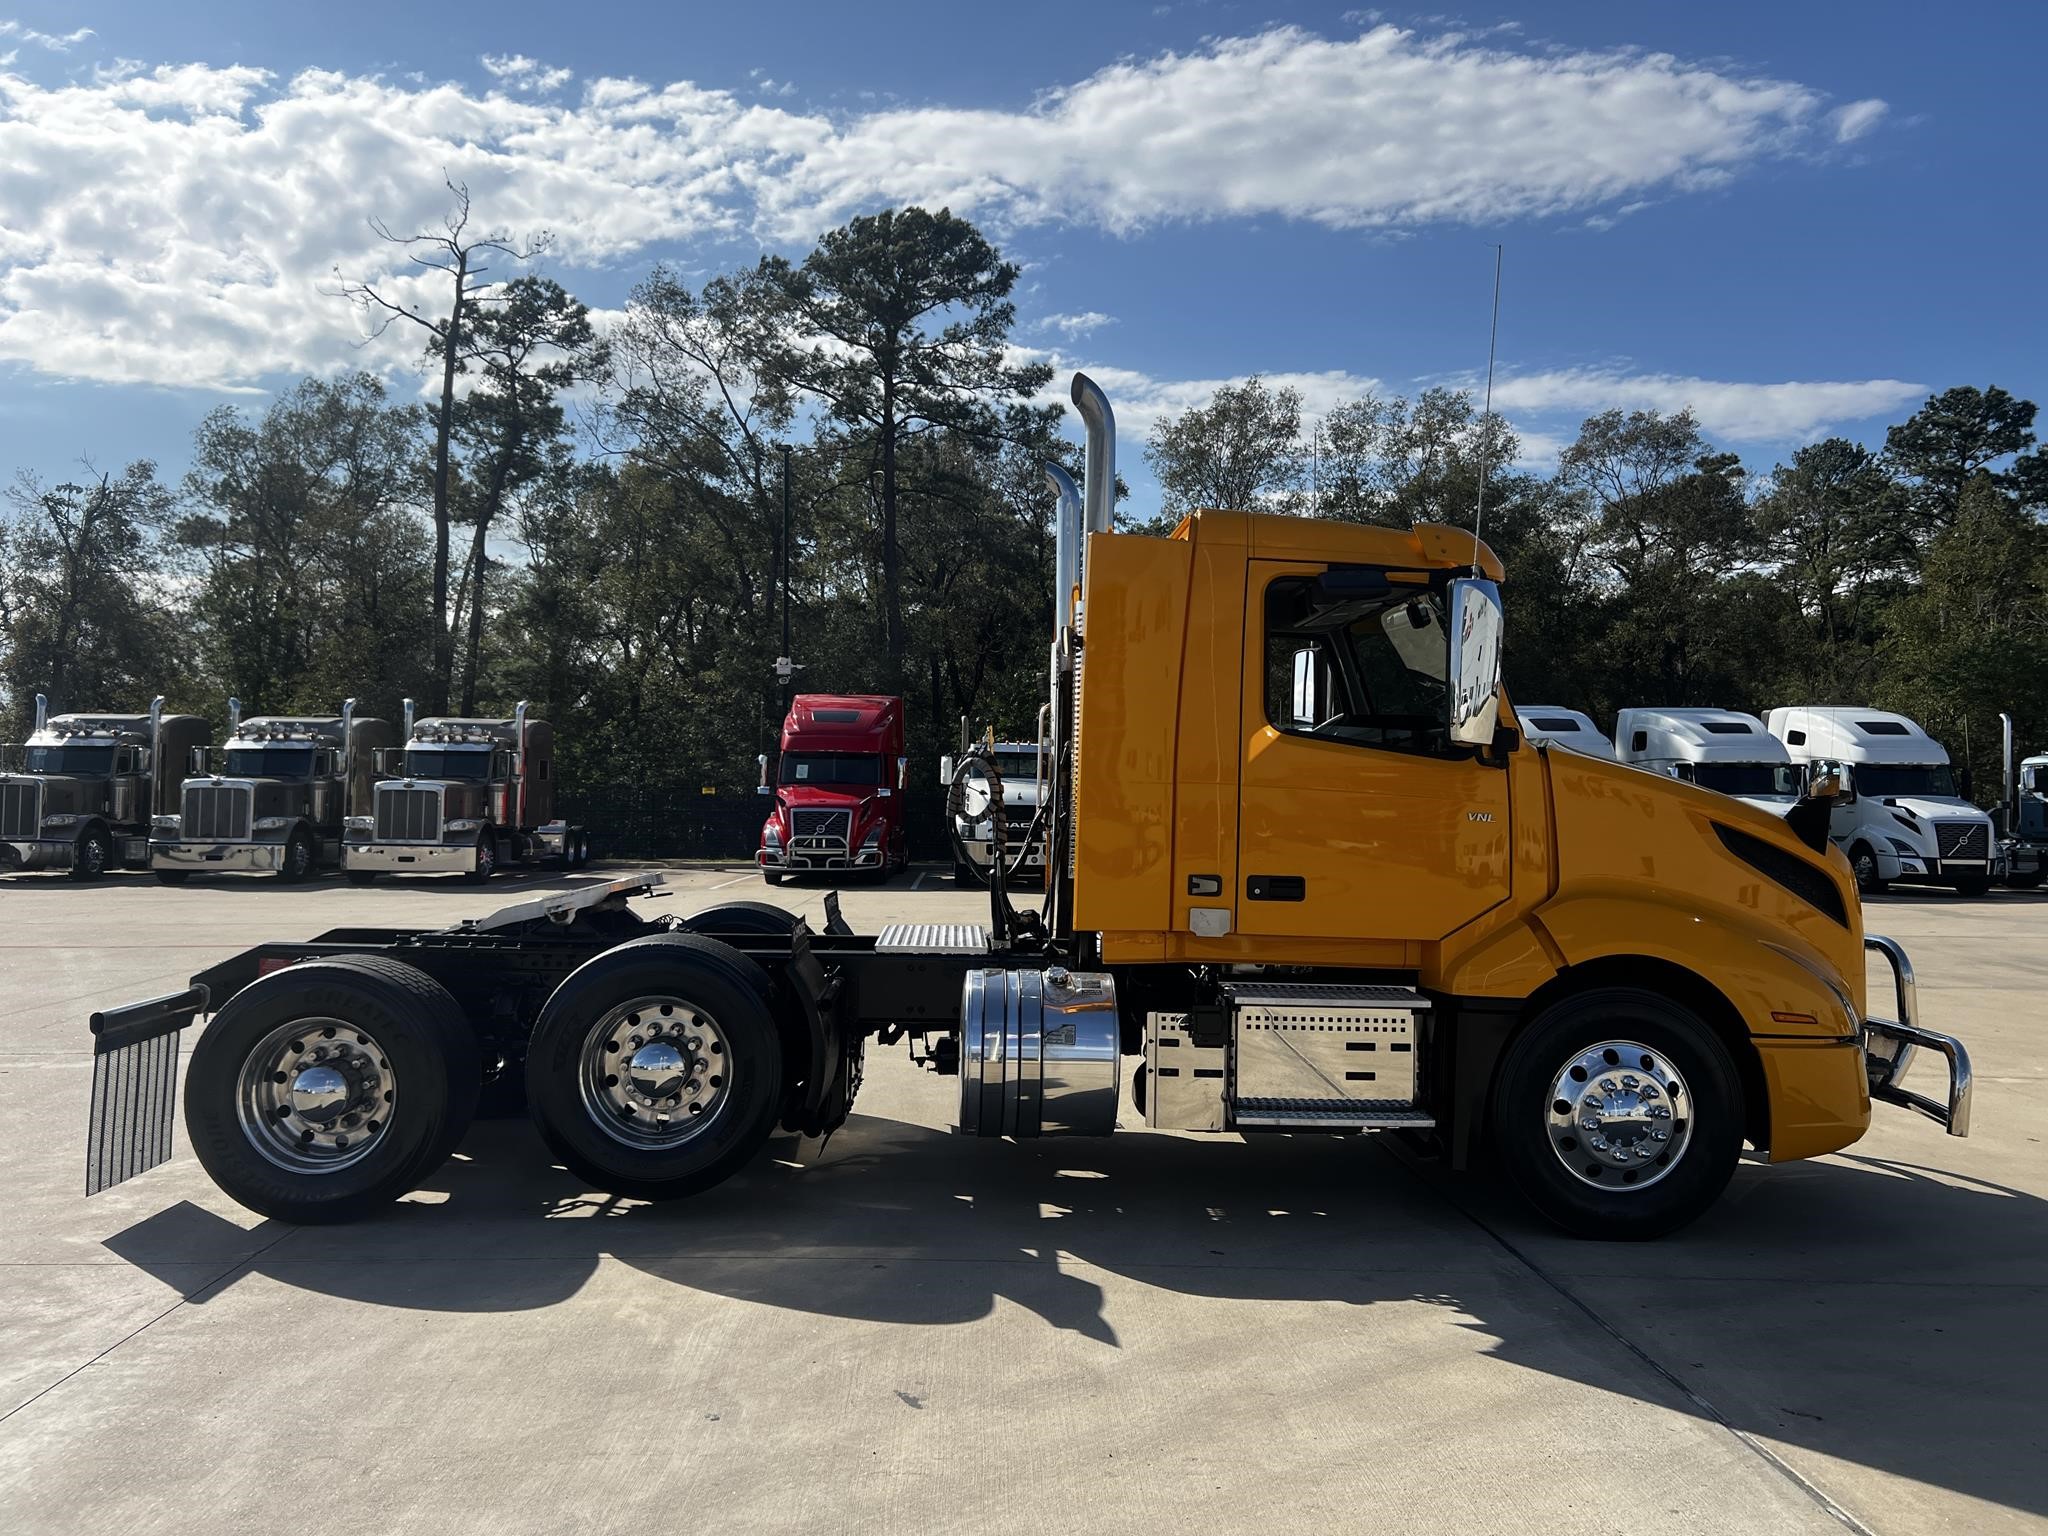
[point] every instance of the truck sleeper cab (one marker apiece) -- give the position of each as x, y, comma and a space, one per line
466, 796
1719, 749
85, 788
1553, 725
1307, 876
837, 788
272, 798
1901, 817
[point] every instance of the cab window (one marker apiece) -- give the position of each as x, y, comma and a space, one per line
1355, 661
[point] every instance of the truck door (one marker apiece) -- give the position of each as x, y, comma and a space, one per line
1357, 819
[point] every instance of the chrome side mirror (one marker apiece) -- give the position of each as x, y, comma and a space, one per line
1472, 671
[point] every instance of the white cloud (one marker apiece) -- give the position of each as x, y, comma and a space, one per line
1727, 410
1075, 326
1857, 119
178, 223
520, 73
55, 42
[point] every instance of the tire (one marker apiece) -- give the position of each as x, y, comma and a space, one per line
361, 876
94, 854
2025, 882
1974, 885
486, 860
715, 991
172, 876
965, 873
432, 1066
758, 918
1541, 1147
772, 876
1864, 862
299, 858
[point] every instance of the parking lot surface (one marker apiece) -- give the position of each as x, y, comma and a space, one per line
906, 1330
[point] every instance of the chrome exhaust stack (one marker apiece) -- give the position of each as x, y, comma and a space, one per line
234, 718
1093, 405
42, 711
156, 730
408, 721
519, 755
1067, 535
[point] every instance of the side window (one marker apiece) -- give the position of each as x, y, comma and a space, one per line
127, 760
1358, 661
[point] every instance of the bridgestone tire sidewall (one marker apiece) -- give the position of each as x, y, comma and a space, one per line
433, 1059
727, 985
1520, 1119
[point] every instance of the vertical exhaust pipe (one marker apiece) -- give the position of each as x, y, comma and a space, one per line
1093, 405
408, 720
234, 718
156, 733
42, 710
1067, 535
348, 758
2009, 802
519, 738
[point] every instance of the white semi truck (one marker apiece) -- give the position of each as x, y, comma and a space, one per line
1901, 818
1554, 725
1020, 765
1718, 749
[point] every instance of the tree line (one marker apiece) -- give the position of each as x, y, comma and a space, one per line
593, 518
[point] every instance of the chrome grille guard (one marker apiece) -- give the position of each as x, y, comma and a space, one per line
1889, 1044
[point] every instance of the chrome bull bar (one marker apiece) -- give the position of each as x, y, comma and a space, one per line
1889, 1045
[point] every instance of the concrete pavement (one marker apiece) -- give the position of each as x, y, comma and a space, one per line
905, 1330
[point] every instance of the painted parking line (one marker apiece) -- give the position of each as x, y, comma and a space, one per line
740, 880
918, 883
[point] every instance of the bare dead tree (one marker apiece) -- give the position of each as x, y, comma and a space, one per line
454, 252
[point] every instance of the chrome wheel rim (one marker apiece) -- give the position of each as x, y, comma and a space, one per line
486, 857
316, 1095
1620, 1116
94, 856
655, 1072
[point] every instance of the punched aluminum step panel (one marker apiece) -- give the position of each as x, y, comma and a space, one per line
1300, 1056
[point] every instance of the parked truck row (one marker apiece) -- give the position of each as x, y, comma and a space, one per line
1307, 875
282, 795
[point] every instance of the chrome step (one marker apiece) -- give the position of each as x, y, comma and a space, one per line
933, 939
1331, 1114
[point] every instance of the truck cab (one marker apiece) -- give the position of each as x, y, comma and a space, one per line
271, 798
1555, 726
1902, 817
1719, 749
80, 793
837, 785
463, 796
971, 824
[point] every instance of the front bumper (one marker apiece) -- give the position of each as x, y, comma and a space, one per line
799, 863
232, 858
979, 851
1889, 1046
410, 858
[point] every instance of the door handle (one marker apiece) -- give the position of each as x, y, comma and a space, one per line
1275, 888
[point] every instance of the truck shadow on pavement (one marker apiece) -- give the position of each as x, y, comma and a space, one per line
1817, 1306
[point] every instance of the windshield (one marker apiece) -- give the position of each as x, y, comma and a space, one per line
1747, 778
839, 768
1017, 767
269, 762
473, 765
88, 762
1885, 780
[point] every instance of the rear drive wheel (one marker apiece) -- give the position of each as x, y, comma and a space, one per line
486, 859
173, 876
1864, 862
94, 855
757, 918
1618, 1114
655, 1070
297, 864
331, 1087
2026, 882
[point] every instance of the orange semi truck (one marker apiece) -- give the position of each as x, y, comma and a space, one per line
1307, 876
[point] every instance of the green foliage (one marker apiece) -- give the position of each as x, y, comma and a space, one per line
1241, 451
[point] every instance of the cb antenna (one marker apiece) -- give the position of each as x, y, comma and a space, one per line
1486, 417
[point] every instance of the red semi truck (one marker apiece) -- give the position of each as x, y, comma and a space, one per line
838, 788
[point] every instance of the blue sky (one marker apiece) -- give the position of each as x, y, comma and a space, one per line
1798, 219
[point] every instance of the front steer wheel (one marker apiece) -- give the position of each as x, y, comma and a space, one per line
329, 1088
1618, 1114
655, 1070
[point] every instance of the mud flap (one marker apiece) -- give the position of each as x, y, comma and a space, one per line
135, 1086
